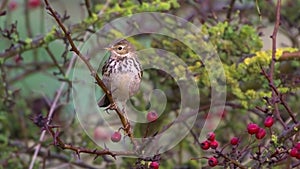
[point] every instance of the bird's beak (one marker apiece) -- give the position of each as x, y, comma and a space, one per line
109, 49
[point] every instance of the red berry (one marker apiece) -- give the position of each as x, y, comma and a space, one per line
18, 59
12, 5
34, 3
116, 137
211, 136
234, 141
214, 144
100, 134
252, 128
224, 114
154, 165
269, 121
212, 161
261, 133
205, 145
152, 116
294, 152
298, 156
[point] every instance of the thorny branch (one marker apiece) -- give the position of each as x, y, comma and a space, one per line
48, 128
50, 113
67, 33
61, 71
125, 122
272, 66
44, 153
58, 142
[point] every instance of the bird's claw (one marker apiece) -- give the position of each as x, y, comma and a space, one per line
111, 106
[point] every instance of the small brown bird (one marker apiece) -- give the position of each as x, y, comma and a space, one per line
122, 73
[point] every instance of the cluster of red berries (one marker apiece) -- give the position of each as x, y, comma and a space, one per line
31, 4
295, 151
212, 143
259, 132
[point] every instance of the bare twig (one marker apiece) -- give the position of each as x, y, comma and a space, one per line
30, 71
6, 98
273, 36
258, 10
27, 20
36, 43
45, 153
229, 11
274, 90
106, 5
88, 7
55, 61
51, 111
235, 162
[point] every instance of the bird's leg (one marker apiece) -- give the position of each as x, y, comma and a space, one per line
111, 106
125, 115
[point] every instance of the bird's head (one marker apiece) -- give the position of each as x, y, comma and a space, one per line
122, 49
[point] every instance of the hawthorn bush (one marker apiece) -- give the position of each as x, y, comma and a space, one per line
259, 127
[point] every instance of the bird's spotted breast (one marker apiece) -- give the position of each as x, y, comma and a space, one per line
122, 72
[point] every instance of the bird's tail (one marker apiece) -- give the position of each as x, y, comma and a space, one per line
104, 101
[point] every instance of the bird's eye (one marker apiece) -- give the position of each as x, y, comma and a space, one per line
120, 48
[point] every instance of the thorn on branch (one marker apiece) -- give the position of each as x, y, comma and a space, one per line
65, 17
57, 15
9, 32
95, 157
78, 153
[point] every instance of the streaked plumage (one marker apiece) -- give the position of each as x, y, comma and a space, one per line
122, 73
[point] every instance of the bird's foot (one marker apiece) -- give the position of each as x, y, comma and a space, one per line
111, 106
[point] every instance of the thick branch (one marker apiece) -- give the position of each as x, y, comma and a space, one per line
289, 133
88, 7
290, 56
273, 36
